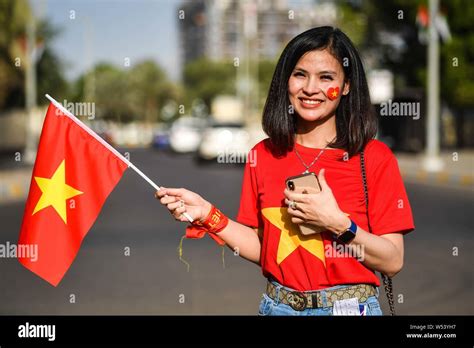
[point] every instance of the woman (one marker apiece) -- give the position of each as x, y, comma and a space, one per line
318, 119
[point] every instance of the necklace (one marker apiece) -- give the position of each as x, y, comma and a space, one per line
315, 159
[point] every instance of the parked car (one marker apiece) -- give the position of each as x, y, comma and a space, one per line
161, 138
186, 134
226, 143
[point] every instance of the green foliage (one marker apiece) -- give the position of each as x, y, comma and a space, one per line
265, 74
13, 18
205, 79
353, 23
49, 68
398, 17
149, 90
120, 94
457, 83
109, 92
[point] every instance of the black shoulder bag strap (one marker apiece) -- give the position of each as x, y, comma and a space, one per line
387, 281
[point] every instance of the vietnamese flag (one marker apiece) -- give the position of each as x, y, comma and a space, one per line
74, 172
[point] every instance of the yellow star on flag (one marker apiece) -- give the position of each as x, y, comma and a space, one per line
55, 192
334, 94
291, 237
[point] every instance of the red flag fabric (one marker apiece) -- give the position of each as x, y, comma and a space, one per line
72, 177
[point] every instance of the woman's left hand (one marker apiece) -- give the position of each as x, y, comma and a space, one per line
319, 209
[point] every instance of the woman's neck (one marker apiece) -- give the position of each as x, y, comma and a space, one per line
315, 134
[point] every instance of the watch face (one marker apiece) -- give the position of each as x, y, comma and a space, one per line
346, 236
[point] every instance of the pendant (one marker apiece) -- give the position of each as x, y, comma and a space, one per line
306, 171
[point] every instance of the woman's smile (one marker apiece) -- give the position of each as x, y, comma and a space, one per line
310, 103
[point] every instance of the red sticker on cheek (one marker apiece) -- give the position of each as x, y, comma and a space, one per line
332, 93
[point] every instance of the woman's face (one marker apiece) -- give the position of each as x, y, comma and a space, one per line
313, 83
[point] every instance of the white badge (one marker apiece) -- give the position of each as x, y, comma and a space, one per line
346, 307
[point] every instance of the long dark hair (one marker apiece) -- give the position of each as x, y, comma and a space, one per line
356, 123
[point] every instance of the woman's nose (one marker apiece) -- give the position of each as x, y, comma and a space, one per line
311, 86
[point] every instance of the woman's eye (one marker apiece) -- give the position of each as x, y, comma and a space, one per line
298, 73
326, 77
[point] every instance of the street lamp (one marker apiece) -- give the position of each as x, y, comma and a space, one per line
432, 162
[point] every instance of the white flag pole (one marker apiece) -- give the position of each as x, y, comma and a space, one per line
108, 146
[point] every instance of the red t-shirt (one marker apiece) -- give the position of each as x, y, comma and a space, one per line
314, 262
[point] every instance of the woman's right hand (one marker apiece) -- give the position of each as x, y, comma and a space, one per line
179, 200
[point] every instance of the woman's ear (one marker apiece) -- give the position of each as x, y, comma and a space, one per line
346, 88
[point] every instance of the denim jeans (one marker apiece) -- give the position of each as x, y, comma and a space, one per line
269, 306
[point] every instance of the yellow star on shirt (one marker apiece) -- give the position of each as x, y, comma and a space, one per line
291, 237
55, 192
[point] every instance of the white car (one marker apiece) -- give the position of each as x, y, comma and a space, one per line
226, 143
186, 134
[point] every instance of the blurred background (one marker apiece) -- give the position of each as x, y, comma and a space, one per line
179, 87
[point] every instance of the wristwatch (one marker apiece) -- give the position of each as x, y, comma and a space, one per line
348, 235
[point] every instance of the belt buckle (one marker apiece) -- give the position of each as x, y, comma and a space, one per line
297, 300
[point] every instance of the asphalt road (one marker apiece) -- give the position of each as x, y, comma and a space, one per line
152, 280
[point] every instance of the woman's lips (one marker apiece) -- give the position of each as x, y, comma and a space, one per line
310, 103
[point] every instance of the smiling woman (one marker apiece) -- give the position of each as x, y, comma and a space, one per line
318, 117
312, 71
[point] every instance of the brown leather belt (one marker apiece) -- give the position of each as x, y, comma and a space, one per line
300, 301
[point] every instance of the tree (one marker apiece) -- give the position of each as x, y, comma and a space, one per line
205, 79
110, 92
396, 20
13, 18
14, 15
398, 17
149, 89
124, 95
49, 68
457, 56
